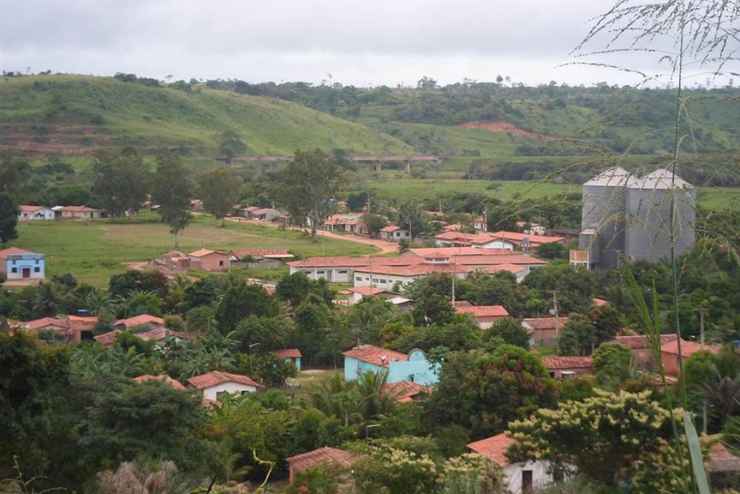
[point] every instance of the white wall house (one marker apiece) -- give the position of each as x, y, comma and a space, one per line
35, 213
215, 383
519, 478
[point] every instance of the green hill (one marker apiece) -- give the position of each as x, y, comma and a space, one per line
76, 115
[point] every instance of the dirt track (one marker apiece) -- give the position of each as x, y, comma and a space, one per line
383, 246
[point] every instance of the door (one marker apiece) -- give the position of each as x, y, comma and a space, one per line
527, 484
26, 272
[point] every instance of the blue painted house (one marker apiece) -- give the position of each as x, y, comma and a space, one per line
290, 356
21, 264
413, 367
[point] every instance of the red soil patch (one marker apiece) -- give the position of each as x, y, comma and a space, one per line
56, 139
506, 128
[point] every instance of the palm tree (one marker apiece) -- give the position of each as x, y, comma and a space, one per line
375, 402
723, 397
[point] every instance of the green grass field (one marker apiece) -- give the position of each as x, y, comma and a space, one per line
397, 186
94, 251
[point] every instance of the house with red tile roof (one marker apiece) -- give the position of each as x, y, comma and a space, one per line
398, 366
290, 356
544, 330
484, 315
35, 213
138, 321
210, 260
394, 233
406, 391
561, 367
642, 355
453, 238
77, 212
519, 478
163, 378
524, 242
213, 384
346, 223
386, 272
669, 354
109, 338
318, 457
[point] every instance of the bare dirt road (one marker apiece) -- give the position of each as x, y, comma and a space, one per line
383, 246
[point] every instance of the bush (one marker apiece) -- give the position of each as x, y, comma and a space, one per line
323, 479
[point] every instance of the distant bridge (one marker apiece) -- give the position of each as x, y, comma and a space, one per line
376, 160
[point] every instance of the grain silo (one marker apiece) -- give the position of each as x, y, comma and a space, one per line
602, 217
648, 216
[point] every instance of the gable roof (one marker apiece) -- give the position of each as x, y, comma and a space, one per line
688, 348
288, 353
214, 378
405, 391
46, 322
140, 320
390, 228
612, 177
521, 237
556, 362
482, 310
457, 251
15, 251
107, 339
544, 323
375, 355
494, 448
267, 253
641, 342
367, 291
720, 459
163, 378
311, 459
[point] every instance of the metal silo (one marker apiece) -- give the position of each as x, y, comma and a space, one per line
648, 220
602, 217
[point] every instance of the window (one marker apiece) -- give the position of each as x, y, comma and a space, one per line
220, 263
343, 272
527, 483
14, 270
37, 269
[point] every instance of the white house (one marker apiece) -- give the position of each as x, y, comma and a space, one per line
394, 233
35, 213
522, 477
215, 383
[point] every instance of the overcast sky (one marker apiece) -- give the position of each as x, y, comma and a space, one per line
361, 42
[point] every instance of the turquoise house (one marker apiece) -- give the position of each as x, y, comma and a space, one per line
413, 367
290, 356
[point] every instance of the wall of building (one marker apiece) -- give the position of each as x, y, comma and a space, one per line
500, 244
540, 476
41, 215
334, 275
648, 222
15, 266
213, 263
604, 211
384, 281
234, 388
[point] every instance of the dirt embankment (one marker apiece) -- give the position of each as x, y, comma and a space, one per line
507, 128
53, 139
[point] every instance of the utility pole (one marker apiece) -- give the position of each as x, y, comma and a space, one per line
701, 325
556, 311
701, 341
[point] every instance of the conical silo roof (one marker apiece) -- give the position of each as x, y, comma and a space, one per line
612, 177
660, 179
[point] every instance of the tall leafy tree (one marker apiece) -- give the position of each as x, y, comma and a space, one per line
172, 191
308, 185
219, 190
121, 181
8, 218
231, 146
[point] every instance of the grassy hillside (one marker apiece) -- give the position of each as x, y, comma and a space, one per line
74, 115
